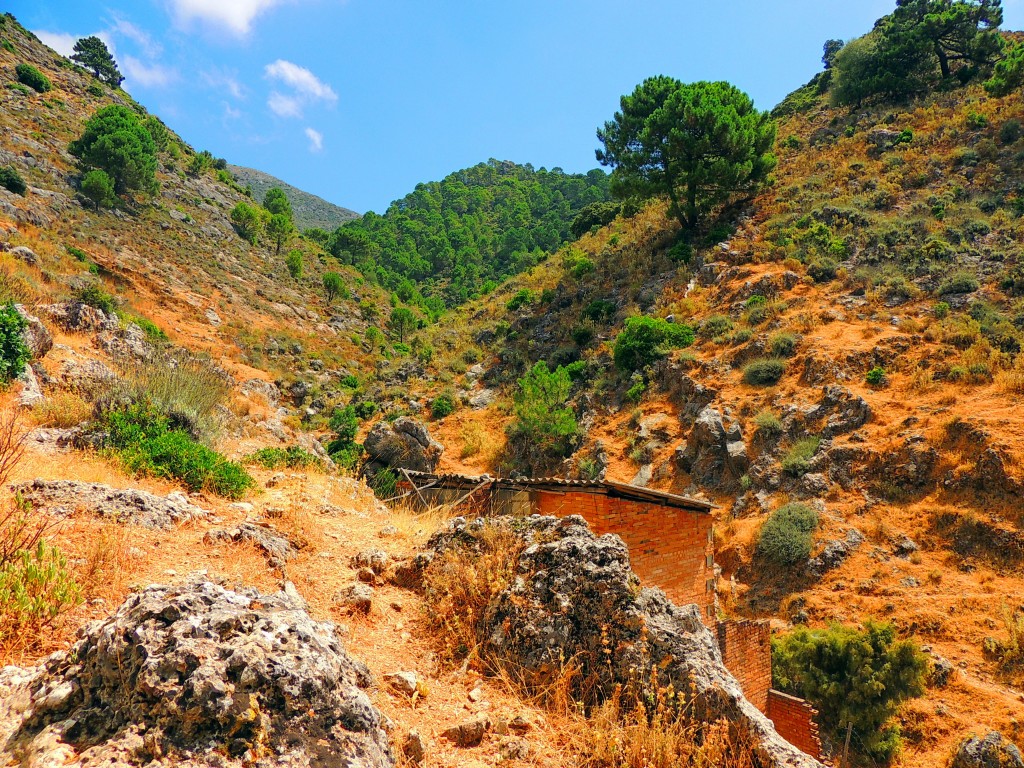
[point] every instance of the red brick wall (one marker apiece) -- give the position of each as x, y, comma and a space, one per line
794, 720
747, 652
668, 548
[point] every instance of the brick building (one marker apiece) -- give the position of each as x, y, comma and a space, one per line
671, 546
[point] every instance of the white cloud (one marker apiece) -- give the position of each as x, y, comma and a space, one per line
230, 113
147, 75
284, 106
125, 28
61, 42
234, 15
305, 88
301, 79
316, 140
224, 81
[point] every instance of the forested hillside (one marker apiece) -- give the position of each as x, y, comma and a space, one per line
457, 238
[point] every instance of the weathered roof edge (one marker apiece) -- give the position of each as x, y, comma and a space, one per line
556, 484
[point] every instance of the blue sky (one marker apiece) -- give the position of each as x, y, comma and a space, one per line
359, 100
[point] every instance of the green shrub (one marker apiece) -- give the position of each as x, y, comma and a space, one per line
1008, 653
344, 422
768, 423
741, 336
187, 391
715, 326
646, 339
19, 88
764, 371
292, 457
522, 297
940, 310
875, 376
154, 333
822, 270
960, 282
294, 263
95, 296
98, 187
582, 335
636, 392
7, 45
11, 180
14, 352
442, 405
33, 78
36, 587
783, 345
854, 678
148, 443
797, 460
1010, 131
786, 536
600, 310
545, 428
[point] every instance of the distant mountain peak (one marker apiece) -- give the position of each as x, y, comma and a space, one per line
309, 209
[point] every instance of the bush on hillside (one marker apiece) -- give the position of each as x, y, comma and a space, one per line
646, 339
767, 423
545, 429
292, 457
715, 326
248, 221
764, 371
522, 297
959, 282
294, 263
116, 141
783, 345
36, 588
441, 406
98, 187
11, 180
854, 678
14, 352
94, 295
149, 443
786, 536
797, 460
334, 286
33, 78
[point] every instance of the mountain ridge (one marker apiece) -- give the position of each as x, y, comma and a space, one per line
310, 211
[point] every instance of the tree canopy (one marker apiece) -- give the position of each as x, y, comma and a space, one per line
853, 677
480, 224
276, 201
117, 142
700, 144
92, 53
921, 44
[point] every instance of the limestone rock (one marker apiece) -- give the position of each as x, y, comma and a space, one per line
375, 559
76, 316
38, 339
574, 596
714, 454
356, 597
406, 683
405, 444
177, 673
468, 733
125, 505
992, 751
275, 545
25, 254
415, 747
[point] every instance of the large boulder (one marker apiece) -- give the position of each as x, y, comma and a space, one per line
38, 339
76, 316
714, 454
575, 597
178, 674
991, 751
125, 505
402, 444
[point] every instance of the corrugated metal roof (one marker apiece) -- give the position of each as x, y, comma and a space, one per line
558, 484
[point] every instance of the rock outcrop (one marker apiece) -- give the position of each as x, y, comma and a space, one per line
404, 444
178, 674
125, 505
713, 453
574, 597
991, 751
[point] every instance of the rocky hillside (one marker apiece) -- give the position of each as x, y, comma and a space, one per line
858, 334
310, 210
